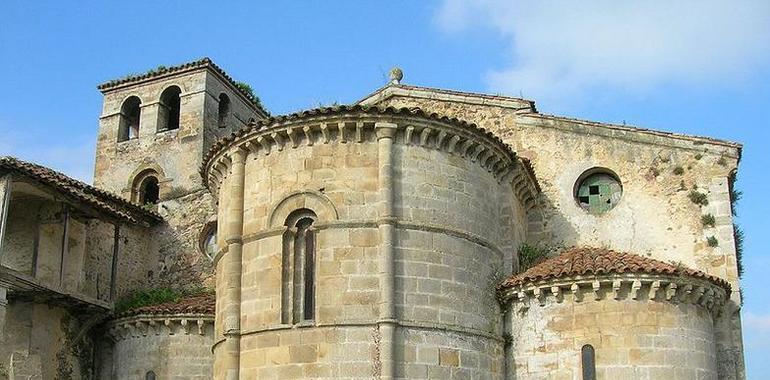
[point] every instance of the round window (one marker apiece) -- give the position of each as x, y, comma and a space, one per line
208, 240
598, 191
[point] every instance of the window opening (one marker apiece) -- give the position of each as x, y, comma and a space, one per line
598, 191
130, 115
168, 109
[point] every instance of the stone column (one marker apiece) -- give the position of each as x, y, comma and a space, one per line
386, 225
5, 199
233, 267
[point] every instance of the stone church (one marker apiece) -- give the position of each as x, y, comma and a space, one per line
419, 233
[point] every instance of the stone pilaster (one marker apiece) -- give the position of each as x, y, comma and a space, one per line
5, 198
387, 324
232, 269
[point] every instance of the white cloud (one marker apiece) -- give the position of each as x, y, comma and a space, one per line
562, 49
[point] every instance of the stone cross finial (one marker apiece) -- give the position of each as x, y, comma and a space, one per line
396, 75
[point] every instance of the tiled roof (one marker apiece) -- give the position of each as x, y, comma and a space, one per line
165, 71
97, 198
345, 109
600, 261
199, 304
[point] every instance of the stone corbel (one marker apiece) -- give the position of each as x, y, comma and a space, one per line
616, 289
290, 133
308, 134
540, 295
408, 135
596, 286
265, 144
440, 139
424, 135
325, 132
342, 129
686, 294
671, 290
168, 323
654, 288
576, 294
185, 326
556, 291
276, 136
359, 132
465, 147
252, 147
525, 300
452, 144
635, 286
201, 327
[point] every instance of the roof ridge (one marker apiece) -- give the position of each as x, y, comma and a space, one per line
42, 174
195, 64
576, 261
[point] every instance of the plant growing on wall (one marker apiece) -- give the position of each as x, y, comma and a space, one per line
698, 198
155, 296
712, 241
531, 255
708, 220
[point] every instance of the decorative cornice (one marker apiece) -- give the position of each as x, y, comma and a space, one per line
636, 287
355, 124
145, 325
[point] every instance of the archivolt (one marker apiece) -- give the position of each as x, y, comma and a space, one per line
312, 200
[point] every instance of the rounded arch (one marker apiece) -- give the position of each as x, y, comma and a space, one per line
313, 201
223, 113
130, 115
169, 108
147, 175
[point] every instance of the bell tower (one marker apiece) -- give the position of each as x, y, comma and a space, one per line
155, 128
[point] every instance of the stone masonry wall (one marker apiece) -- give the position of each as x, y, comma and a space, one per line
173, 347
40, 343
632, 339
658, 172
455, 228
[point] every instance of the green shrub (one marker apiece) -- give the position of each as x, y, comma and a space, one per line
708, 220
698, 198
155, 296
531, 255
678, 170
738, 237
712, 241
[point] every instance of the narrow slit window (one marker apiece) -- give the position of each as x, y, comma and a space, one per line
298, 272
224, 110
588, 358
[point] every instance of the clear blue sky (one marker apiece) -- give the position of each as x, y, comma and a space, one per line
691, 67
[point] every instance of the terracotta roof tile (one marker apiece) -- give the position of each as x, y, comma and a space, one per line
97, 198
587, 261
199, 304
201, 63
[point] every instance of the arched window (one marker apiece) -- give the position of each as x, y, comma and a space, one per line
149, 190
298, 268
588, 358
130, 112
224, 110
208, 240
168, 109
149, 376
